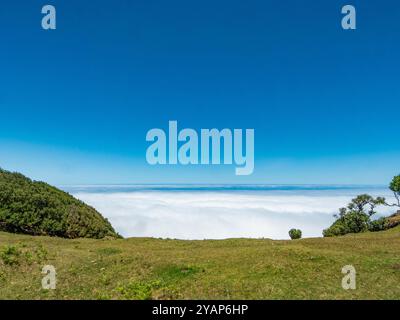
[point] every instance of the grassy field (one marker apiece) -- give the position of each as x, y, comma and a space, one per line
144, 268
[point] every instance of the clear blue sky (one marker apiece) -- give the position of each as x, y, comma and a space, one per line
76, 103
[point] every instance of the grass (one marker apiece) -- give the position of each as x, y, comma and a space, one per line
145, 268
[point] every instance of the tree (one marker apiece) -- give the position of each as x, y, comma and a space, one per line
295, 234
395, 187
359, 203
356, 217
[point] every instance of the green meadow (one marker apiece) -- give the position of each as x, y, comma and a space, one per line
147, 268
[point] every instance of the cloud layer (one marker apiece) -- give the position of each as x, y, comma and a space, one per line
217, 214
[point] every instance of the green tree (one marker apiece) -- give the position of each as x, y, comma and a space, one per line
356, 217
295, 234
395, 187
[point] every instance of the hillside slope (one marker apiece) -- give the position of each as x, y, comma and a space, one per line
37, 208
143, 268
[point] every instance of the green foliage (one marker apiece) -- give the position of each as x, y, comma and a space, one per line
356, 217
295, 234
366, 204
41, 253
379, 224
395, 187
20, 254
395, 184
10, 255
338, 228
139, 290
37, 208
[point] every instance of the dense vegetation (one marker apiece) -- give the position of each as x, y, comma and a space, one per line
37, 208
357, 216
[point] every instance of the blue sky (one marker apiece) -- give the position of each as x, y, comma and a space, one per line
77, 102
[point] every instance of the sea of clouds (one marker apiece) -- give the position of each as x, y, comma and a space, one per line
218, 214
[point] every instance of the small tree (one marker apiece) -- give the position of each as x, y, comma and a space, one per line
395, 187
295, 234
356, 217
358, 205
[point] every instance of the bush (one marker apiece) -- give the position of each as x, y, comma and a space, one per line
295, 234
10, 255
37, 208
338, 228
379, 224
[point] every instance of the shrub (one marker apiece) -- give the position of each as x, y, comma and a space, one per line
379, 224
338, 228
10, 255
37, 208
295, 234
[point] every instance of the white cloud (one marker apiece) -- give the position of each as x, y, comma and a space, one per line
217, 214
